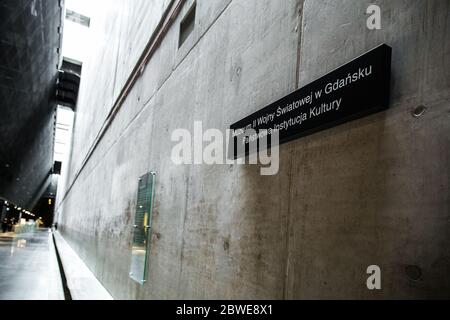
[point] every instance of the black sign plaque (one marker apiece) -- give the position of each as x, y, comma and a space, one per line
354, 90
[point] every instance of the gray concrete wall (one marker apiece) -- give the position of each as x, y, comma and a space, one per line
119, 32
373, 191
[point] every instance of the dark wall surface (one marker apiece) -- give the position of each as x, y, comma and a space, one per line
29, 40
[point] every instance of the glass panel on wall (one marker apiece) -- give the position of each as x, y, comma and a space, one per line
142, 228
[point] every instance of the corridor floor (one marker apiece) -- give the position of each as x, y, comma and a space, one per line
28, 267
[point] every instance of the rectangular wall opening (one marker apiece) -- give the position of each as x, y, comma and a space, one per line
187, 25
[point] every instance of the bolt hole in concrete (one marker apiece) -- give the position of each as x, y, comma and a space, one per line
226, 245
413, 272
419, 111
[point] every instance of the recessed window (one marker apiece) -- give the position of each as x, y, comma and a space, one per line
187, 25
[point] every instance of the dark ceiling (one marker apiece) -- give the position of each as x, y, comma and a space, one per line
29, 39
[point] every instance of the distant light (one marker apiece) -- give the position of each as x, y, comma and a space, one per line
49, 201
19, 208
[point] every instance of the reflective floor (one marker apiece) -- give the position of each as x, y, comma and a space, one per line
28, 267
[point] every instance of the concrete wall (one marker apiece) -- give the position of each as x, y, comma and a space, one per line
373, 191
118, 34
